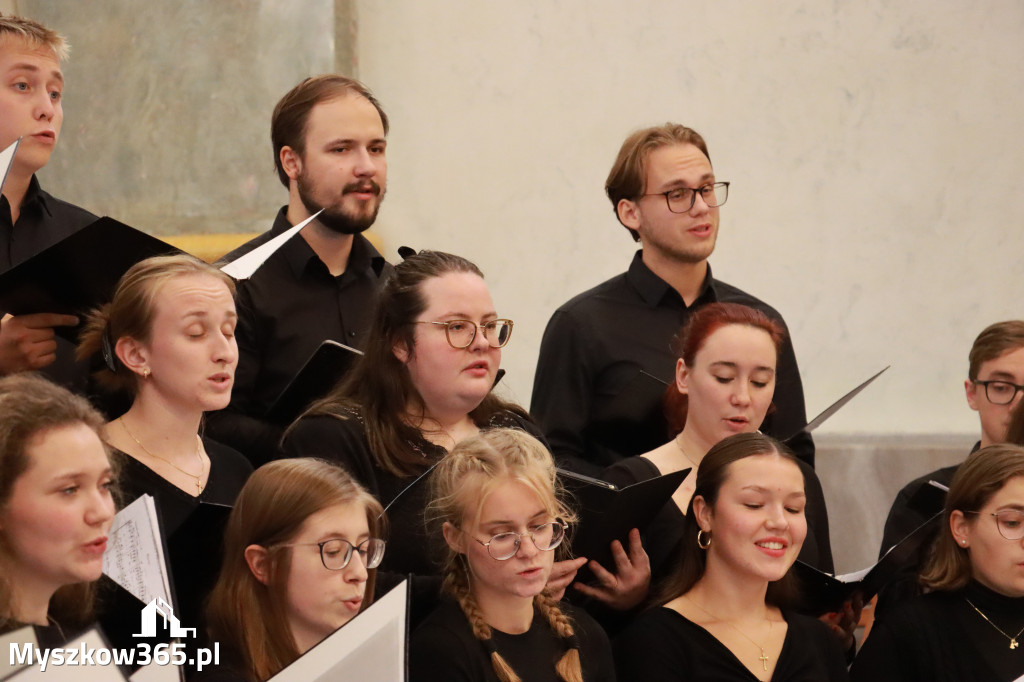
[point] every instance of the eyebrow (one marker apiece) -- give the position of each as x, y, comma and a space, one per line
1001, 376
233, 314
77, 475
762, 489
733, 365
466, 316
32, 68
679, 182
506, 522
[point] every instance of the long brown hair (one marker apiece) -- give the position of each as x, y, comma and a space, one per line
379, 387
977, 480
691, 561
459, 485
243, 613
30, 406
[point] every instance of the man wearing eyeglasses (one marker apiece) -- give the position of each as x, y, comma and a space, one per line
605, 358
995, 379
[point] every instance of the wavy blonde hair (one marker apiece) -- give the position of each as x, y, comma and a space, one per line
459, 487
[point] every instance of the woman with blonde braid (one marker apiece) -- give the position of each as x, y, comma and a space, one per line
494, 500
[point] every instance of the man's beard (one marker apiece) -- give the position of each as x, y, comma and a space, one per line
333, 217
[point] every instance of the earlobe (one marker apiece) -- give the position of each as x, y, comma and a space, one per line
258, 560
682, 377
959, 527
629, 214
132, 355
290, 162
702, 513
971, 390
454, 537
401, 351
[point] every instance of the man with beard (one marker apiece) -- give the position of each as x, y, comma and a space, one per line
606, 356
329, 144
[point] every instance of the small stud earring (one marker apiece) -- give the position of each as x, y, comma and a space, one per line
145, 373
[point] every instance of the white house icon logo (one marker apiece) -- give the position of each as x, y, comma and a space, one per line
149, 614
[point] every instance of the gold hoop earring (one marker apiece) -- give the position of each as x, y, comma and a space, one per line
703, 539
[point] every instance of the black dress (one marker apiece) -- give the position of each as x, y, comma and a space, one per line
940, 638
194, 561
443, 649
662, 646
663, 536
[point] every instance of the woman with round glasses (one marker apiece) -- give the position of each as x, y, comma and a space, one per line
432, 357
300, 555
970, 627
494, 501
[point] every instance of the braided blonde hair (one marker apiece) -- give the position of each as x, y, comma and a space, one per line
459, 486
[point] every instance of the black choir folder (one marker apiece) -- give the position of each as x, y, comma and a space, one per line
77, 273
608, 512
328, 363
822, 592
371, 646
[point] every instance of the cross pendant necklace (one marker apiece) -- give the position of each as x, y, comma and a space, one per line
1013, 640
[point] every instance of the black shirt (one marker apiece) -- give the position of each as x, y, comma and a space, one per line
589, 394
444, 649
285, 311
43, 221
662, 645
941, 638
914, 505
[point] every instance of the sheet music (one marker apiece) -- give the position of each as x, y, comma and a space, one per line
243, 267
6, 159
369, 647
135, 554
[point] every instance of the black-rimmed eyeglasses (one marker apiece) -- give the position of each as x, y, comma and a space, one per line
1000, 392
336, 554
682, 199
1010, 523
462, 333
545, 537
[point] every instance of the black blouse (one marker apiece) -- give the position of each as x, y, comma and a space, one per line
663, 646
940, 637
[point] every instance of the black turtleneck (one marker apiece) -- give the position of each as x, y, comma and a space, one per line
941, 637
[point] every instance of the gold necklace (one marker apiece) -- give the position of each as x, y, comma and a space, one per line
199, 442
763, 658
1013, 640
679, 444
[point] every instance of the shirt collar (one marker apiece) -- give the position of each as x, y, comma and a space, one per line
654, 289
364, 260
35, 194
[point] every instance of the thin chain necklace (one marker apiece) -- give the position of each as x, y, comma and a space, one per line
679, 444
1013, 640
763, 658
199, 443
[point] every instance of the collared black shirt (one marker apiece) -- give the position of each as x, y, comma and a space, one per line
42, 222
285, 311
605, 361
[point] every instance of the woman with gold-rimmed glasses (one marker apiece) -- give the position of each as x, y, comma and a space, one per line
432, 357
970, 627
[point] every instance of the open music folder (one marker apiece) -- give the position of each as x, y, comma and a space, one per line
371, 646
608, 512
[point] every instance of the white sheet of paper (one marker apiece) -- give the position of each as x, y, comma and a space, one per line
22, 636
75, 673
6, 159
371, 646
244, 266
135, 555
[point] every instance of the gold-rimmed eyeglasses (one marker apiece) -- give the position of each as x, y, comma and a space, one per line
462, 333
545, 537
1010, 523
